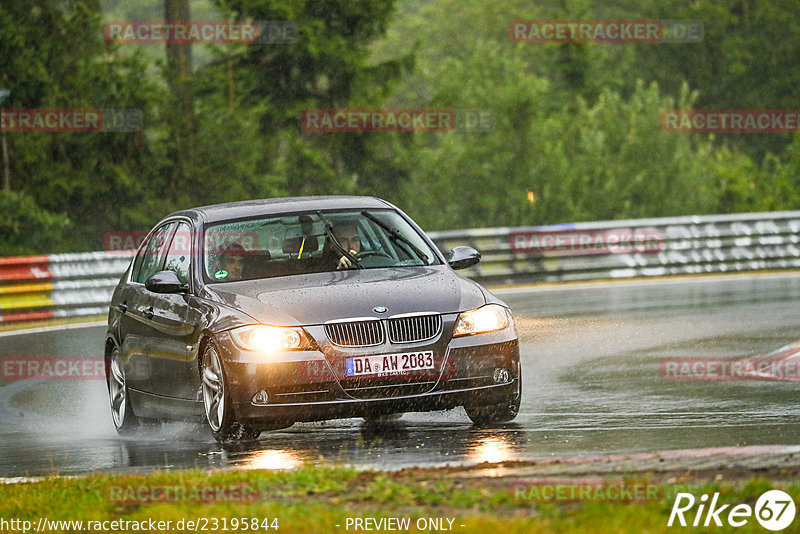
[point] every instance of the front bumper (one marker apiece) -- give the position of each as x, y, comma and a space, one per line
344, 408
308, 386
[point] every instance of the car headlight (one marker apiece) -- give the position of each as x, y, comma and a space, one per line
489, 318
263, 338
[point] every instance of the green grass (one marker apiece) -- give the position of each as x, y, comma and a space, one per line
314, 499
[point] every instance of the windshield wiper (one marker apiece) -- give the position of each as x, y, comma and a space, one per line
329, 232
396, 236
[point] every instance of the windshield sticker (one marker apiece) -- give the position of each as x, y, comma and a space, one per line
221, 274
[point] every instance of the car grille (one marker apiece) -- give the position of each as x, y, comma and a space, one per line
355, 333
365, 333
414, 328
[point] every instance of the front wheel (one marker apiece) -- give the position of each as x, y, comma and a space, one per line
217, 402
497, 413
125, 422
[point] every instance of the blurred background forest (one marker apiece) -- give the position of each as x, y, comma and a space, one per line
576, 124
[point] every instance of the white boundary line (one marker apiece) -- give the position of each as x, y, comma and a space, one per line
53, 328
20, 480
28, 480
566, 286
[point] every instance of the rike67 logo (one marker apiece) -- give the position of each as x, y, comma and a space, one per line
774, 510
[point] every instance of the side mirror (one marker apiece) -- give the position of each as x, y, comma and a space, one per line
165, 282
463, 257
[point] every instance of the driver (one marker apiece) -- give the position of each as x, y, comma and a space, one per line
346, 233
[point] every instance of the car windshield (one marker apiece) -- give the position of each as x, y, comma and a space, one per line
312, 242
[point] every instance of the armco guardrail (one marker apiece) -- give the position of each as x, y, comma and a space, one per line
625, 249
58, 285
65, 285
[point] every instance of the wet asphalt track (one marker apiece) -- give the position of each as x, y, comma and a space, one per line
592, 385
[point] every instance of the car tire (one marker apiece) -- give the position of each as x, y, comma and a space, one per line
497, 413
217, 403
125, 421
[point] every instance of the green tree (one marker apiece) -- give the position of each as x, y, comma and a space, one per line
25, 228
95, 180
577, 124
327, 66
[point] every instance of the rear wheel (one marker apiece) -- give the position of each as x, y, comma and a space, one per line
497, 413
217, 404
125, 422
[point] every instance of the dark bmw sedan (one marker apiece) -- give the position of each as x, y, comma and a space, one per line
255, 315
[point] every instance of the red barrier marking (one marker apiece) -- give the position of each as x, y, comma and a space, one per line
36, 272
24, 260
31, 316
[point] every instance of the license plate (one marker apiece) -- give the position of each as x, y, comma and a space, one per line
389, 364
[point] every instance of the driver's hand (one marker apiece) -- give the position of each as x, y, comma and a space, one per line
345, 263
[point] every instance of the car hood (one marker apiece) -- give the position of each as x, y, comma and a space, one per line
320, 297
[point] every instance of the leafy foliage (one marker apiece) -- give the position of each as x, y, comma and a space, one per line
26, 228
575, 124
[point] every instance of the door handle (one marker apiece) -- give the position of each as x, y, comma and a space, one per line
123, 307
148, 313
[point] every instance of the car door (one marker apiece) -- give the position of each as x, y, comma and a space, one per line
135, 304
175, 326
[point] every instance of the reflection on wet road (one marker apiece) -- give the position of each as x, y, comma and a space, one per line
591, 358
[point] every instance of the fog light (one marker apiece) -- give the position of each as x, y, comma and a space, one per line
261, 398
501, 376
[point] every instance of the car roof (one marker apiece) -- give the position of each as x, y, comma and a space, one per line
276, 206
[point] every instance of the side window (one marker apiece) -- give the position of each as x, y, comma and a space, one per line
137, 262
152, 254
180, 252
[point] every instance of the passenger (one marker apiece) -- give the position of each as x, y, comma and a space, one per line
231, 260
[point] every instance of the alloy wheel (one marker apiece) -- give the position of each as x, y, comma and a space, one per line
118, 393
213, 389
